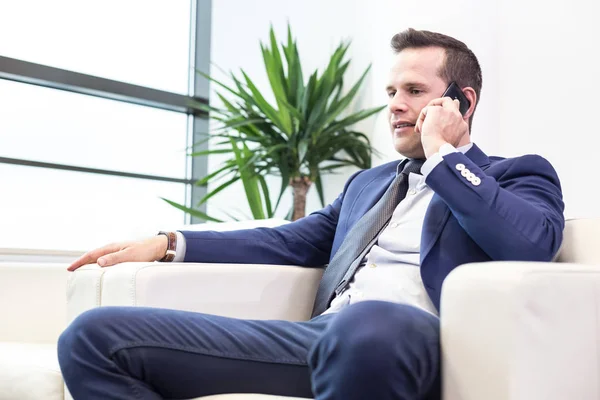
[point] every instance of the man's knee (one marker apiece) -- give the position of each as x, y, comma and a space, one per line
373, 349
370, 332
90, 330
384, 321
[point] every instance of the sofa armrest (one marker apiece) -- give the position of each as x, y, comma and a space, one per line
521, 331
32, 302
235, 290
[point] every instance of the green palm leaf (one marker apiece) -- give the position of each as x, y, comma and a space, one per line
303, 133
192, 212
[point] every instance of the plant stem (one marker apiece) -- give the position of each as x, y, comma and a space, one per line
300, 186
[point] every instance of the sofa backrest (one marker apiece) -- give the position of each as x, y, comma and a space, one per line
581, 243
32, 302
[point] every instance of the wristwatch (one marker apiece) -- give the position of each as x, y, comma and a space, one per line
171, 246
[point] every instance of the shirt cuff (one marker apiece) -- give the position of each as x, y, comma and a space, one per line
437, 158
180, 248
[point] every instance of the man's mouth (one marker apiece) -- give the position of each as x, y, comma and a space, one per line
400, 125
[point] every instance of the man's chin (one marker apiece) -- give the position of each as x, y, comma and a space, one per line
409, 149
403, 133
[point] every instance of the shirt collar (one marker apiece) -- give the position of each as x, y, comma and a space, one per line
462, 149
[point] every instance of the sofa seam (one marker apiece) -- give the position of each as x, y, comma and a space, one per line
133, 290
99, 286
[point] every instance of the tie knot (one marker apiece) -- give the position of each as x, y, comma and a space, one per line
413, 165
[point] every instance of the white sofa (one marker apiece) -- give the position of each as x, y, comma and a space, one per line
510, 331
32, 315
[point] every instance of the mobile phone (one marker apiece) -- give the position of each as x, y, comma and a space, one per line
454, 92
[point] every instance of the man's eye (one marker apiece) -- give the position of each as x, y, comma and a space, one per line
415, 91
391, 94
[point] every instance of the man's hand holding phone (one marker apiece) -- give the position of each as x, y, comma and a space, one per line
441, 122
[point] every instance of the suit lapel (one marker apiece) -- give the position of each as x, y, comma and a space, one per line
435, 219
438, 212
374, 190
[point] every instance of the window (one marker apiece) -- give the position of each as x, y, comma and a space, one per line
44, 208
144, 42
69, 128
77, 170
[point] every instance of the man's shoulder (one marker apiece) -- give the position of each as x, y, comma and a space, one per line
371, 175
529, 162
387, 168
377, 171
523, 164
534, 159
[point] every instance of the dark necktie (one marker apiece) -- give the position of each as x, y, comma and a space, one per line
360, 239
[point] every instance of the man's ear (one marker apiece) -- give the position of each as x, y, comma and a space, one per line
472, 96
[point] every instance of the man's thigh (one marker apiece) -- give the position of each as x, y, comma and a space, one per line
185, 354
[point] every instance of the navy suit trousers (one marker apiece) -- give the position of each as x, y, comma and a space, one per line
371, 350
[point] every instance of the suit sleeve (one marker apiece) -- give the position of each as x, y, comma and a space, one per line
306, 242
517, 216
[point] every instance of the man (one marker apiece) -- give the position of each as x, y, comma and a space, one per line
390, 239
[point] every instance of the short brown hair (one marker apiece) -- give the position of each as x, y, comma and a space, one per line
461, 65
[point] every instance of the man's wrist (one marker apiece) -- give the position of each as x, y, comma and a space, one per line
168, 251
160, 244
433, 148
436, 158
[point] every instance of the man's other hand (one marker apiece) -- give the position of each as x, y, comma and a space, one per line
151, 249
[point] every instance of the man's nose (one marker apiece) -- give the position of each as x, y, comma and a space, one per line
397, 104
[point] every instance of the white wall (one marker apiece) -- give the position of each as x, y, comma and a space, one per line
539, 61
548, 99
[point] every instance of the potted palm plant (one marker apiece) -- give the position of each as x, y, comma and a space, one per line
307, 132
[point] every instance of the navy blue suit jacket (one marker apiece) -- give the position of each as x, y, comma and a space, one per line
516, 213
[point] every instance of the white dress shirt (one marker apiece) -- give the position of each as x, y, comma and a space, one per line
391, 269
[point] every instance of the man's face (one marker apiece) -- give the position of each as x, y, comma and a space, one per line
413, 83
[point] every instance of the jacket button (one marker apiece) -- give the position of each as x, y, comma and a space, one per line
476, 181
460, 166
465, 172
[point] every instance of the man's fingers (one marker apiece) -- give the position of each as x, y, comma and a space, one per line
92, 256
457, 105
114, 258
420, 120
451, 104
423, 114
88, 258
445, 102
437, 102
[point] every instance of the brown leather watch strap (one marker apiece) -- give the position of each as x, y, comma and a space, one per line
171, 246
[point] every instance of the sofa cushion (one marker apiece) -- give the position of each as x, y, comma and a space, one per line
29, 372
